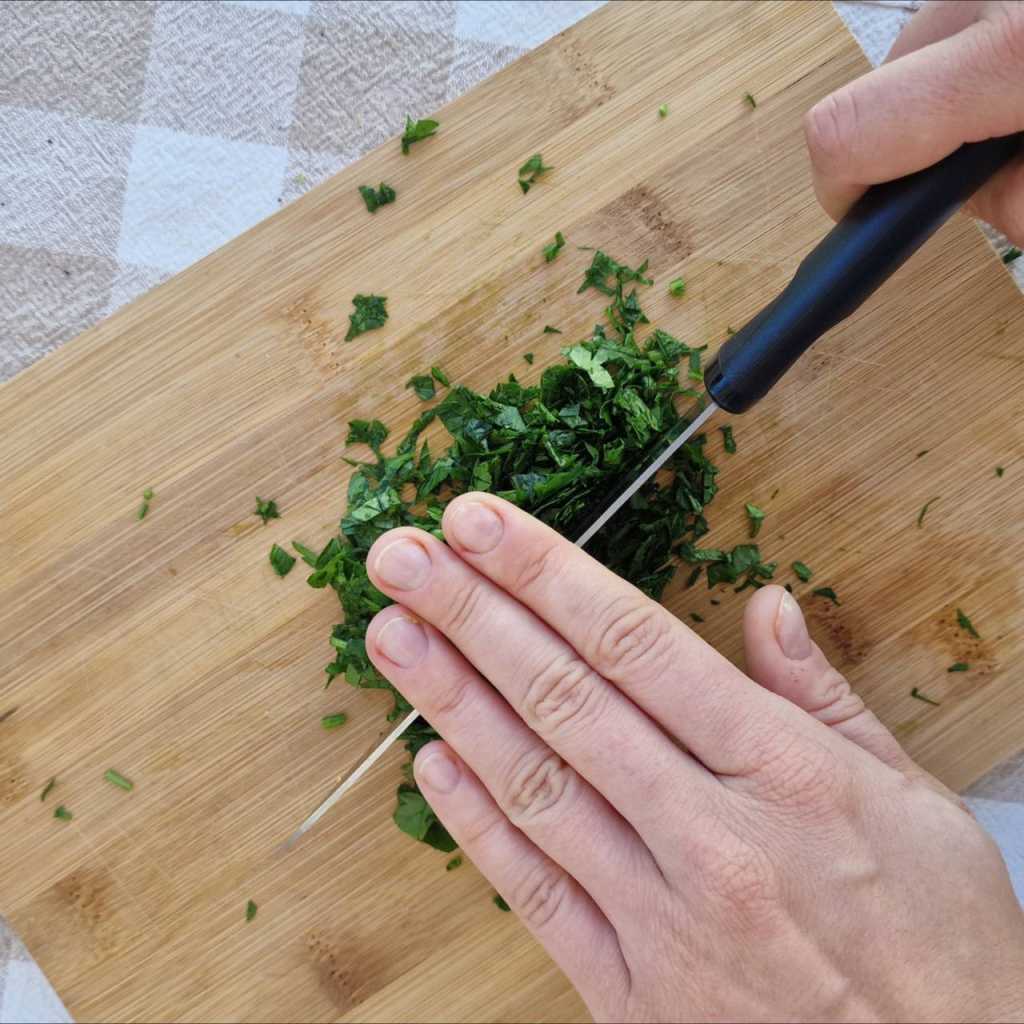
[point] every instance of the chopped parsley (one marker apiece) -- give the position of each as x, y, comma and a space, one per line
414, 815
677, 288
728, 441
1000, 471
62, 813
966, 625
802, 571
440, 376
663, 110
756, 516
266, 510
48, 788
147, 497
334, 721
696, 616
958, 666
924, 509
609, 277
918, 695
1011, 254
250, 911
548, 329
281, 561
528, 356
455, 862
826, 592
531, 171
750, 99
114, 776
423, 385
500, 903
375, 198
370, 313
552, 250
417, 130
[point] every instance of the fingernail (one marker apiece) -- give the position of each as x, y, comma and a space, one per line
475, 527
403, 564
402, 641
438, 771
791, 630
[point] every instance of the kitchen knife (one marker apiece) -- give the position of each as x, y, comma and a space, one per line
886, 226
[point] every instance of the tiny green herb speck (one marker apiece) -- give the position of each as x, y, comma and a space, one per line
281, 561
266, 510
114, 776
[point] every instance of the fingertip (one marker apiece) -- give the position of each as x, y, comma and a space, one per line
436, 768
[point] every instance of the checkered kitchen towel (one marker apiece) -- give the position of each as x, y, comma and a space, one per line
137, 136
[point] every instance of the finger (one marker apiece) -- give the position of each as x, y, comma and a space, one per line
662, 666
910, 113
782, 657
605, 737
1001, 202
937, 20
536, 790
556, 909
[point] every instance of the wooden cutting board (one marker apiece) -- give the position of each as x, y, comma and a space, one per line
167, 649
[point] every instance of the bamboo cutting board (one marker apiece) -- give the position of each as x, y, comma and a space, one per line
167, 648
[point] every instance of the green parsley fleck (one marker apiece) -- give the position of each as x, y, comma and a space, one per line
62, 813
1000, 470
924, 509
266, 510
918, 695
1011, 254
750, 99
500, 903
552, 250
663, 110
375, 198
334, 721
114, 776
528, 356
417, 130
147, 497
423, 385
440, 376
370, 313
455, 862
827, 592
958, 666
696, 616
250, 911
966, 625
802, 571
48, 788
548, 329
677, 288
756, 516
281, 561
531, 171
728, 441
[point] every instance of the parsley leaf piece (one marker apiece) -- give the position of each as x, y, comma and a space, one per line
455, 862
306, 554
114, 776
663, 110
147, 497
334, 721
250, 911
602, 267
918, 695
440, 376
376, 198
528, 356
548, 329
728, 441
696, 617
1000, 471
370, 313
750, 99
924, 509
552, 250
958, 666
48, 788
677, 288
802, 571
417, 130
62, 813
1011, 254
966, 625
147, 494
423, 385
415, 817
592, 363
281, 561
500, 903
266, 510
826, 592
369, 432
756, 516
531, 171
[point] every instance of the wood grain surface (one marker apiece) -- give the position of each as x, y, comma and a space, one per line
167, 649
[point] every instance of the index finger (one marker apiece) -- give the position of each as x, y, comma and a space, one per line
661, 665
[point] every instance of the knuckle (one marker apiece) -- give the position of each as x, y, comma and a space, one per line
739, 879
829, 127
464, 606
481, 831
538, 787
541, 894
1004, 43
565, 693
836, 701
540, 563
634, 635
452, 696
791, 769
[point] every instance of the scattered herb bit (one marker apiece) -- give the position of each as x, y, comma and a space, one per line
47, 788
923, 451
369, 432
455, 862
552, 250
147, 497
423, 385
609, 277
728, 441
1011, 254
924, 509
417, 130
334, 721
250, 911
966, 625
440, 376
695, 371
750, 99
677, 288
756, 516
918, 695
663, 110
266, 510
531, 171
370, 313
114, 776
379, 197
696, 617
414, 816
306, 554
826, 592
500, 903
281, 560
548, 329
528, 356
802, 571
62, 813
958, 666
147, 494
1000, 470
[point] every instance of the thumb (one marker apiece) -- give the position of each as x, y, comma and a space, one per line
782, 657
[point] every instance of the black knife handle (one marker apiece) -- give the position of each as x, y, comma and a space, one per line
881, 231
